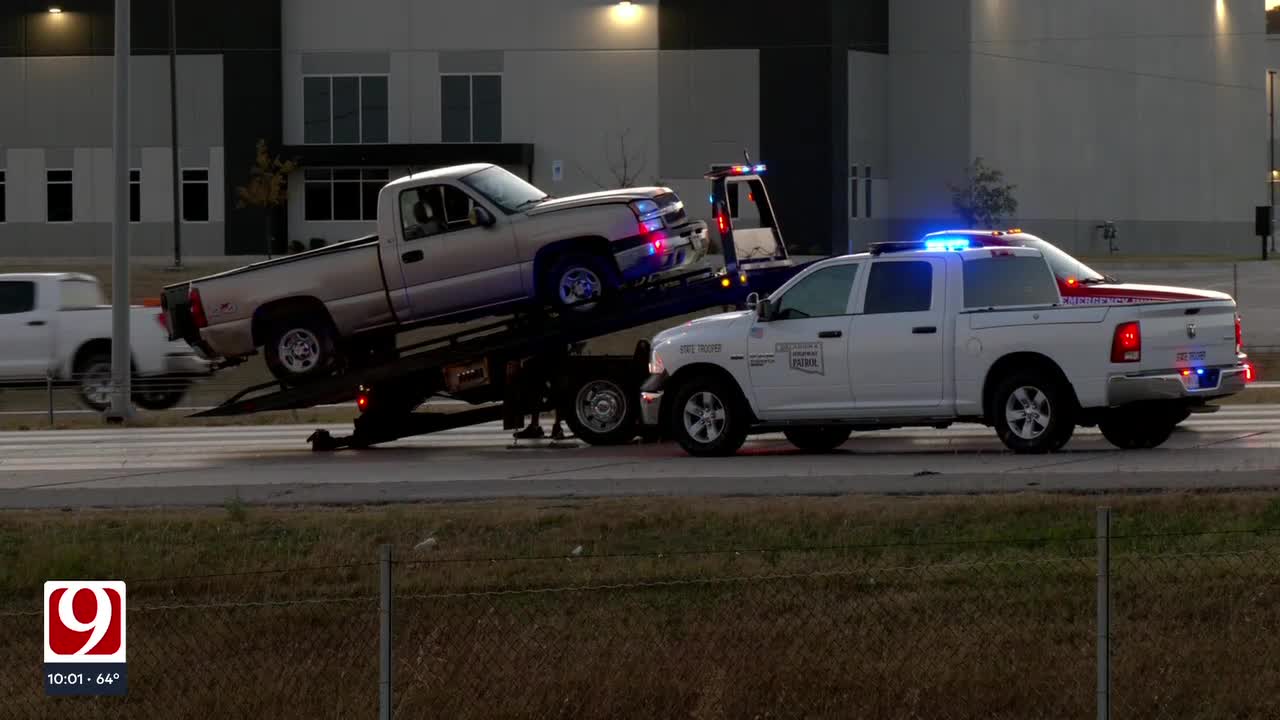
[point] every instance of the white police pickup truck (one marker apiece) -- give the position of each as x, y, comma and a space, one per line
934, 332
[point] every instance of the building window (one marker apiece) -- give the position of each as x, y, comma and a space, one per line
2, 196
860, 191
195, 195
344, 109
135, 196
60, 198
471, 108
1273, 17
342, 193
853, 191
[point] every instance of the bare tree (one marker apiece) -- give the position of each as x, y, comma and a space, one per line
626, 164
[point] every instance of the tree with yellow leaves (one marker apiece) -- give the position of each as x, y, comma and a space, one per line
268, 186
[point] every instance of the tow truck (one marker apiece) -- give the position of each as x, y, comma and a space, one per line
597, 395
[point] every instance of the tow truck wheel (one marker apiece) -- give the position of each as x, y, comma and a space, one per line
818, 439
1134, 430
299, 351
1032, 413
708, 418
600, 411
161, 393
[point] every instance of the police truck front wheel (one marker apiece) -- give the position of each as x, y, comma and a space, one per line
824, 438
708, 417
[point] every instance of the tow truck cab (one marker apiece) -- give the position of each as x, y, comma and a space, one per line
1078, 283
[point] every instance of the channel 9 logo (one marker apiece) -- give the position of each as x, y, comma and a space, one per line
84, 637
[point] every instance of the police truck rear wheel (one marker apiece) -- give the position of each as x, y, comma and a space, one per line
818, 439
708, 418
1132, 430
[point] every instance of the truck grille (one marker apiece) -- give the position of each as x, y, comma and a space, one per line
673, 213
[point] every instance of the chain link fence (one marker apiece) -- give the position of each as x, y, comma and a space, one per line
1126, 627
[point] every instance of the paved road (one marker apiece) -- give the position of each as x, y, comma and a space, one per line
1237, 447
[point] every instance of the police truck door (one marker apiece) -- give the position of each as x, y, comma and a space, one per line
798, 358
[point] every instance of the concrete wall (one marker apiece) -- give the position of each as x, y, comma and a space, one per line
61, 119
579, 79
929, 110
708, 113
1146, 113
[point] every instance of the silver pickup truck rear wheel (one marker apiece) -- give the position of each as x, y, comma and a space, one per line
299, 351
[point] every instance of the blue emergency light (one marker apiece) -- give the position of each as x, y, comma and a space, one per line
947, 244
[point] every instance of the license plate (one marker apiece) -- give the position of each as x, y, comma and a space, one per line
1190, 356
1192, 381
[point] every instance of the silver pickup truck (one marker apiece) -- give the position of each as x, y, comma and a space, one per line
452, 244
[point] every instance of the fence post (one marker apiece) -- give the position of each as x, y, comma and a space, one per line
48, 390
384, 634
1235, 282
1104, 613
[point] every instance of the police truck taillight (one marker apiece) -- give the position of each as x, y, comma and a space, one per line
1239, 336
1126, 344
197, 309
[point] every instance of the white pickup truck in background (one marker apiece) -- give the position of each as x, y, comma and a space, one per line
927, 334
57, 326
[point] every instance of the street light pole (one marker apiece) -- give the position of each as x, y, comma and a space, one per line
1271, 171
173, 127
121, 408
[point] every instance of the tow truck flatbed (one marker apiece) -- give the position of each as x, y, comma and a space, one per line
604, 407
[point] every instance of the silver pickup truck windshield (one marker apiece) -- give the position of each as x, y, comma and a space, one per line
503, 189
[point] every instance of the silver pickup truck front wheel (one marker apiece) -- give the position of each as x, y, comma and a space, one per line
578, 283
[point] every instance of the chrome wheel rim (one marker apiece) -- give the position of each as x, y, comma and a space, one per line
601, 406
299, 350
578, 285
704, 417
95, 384
1027, 412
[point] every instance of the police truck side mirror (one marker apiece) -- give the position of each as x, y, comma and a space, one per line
764, 312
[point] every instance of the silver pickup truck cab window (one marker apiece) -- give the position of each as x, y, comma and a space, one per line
434, 209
